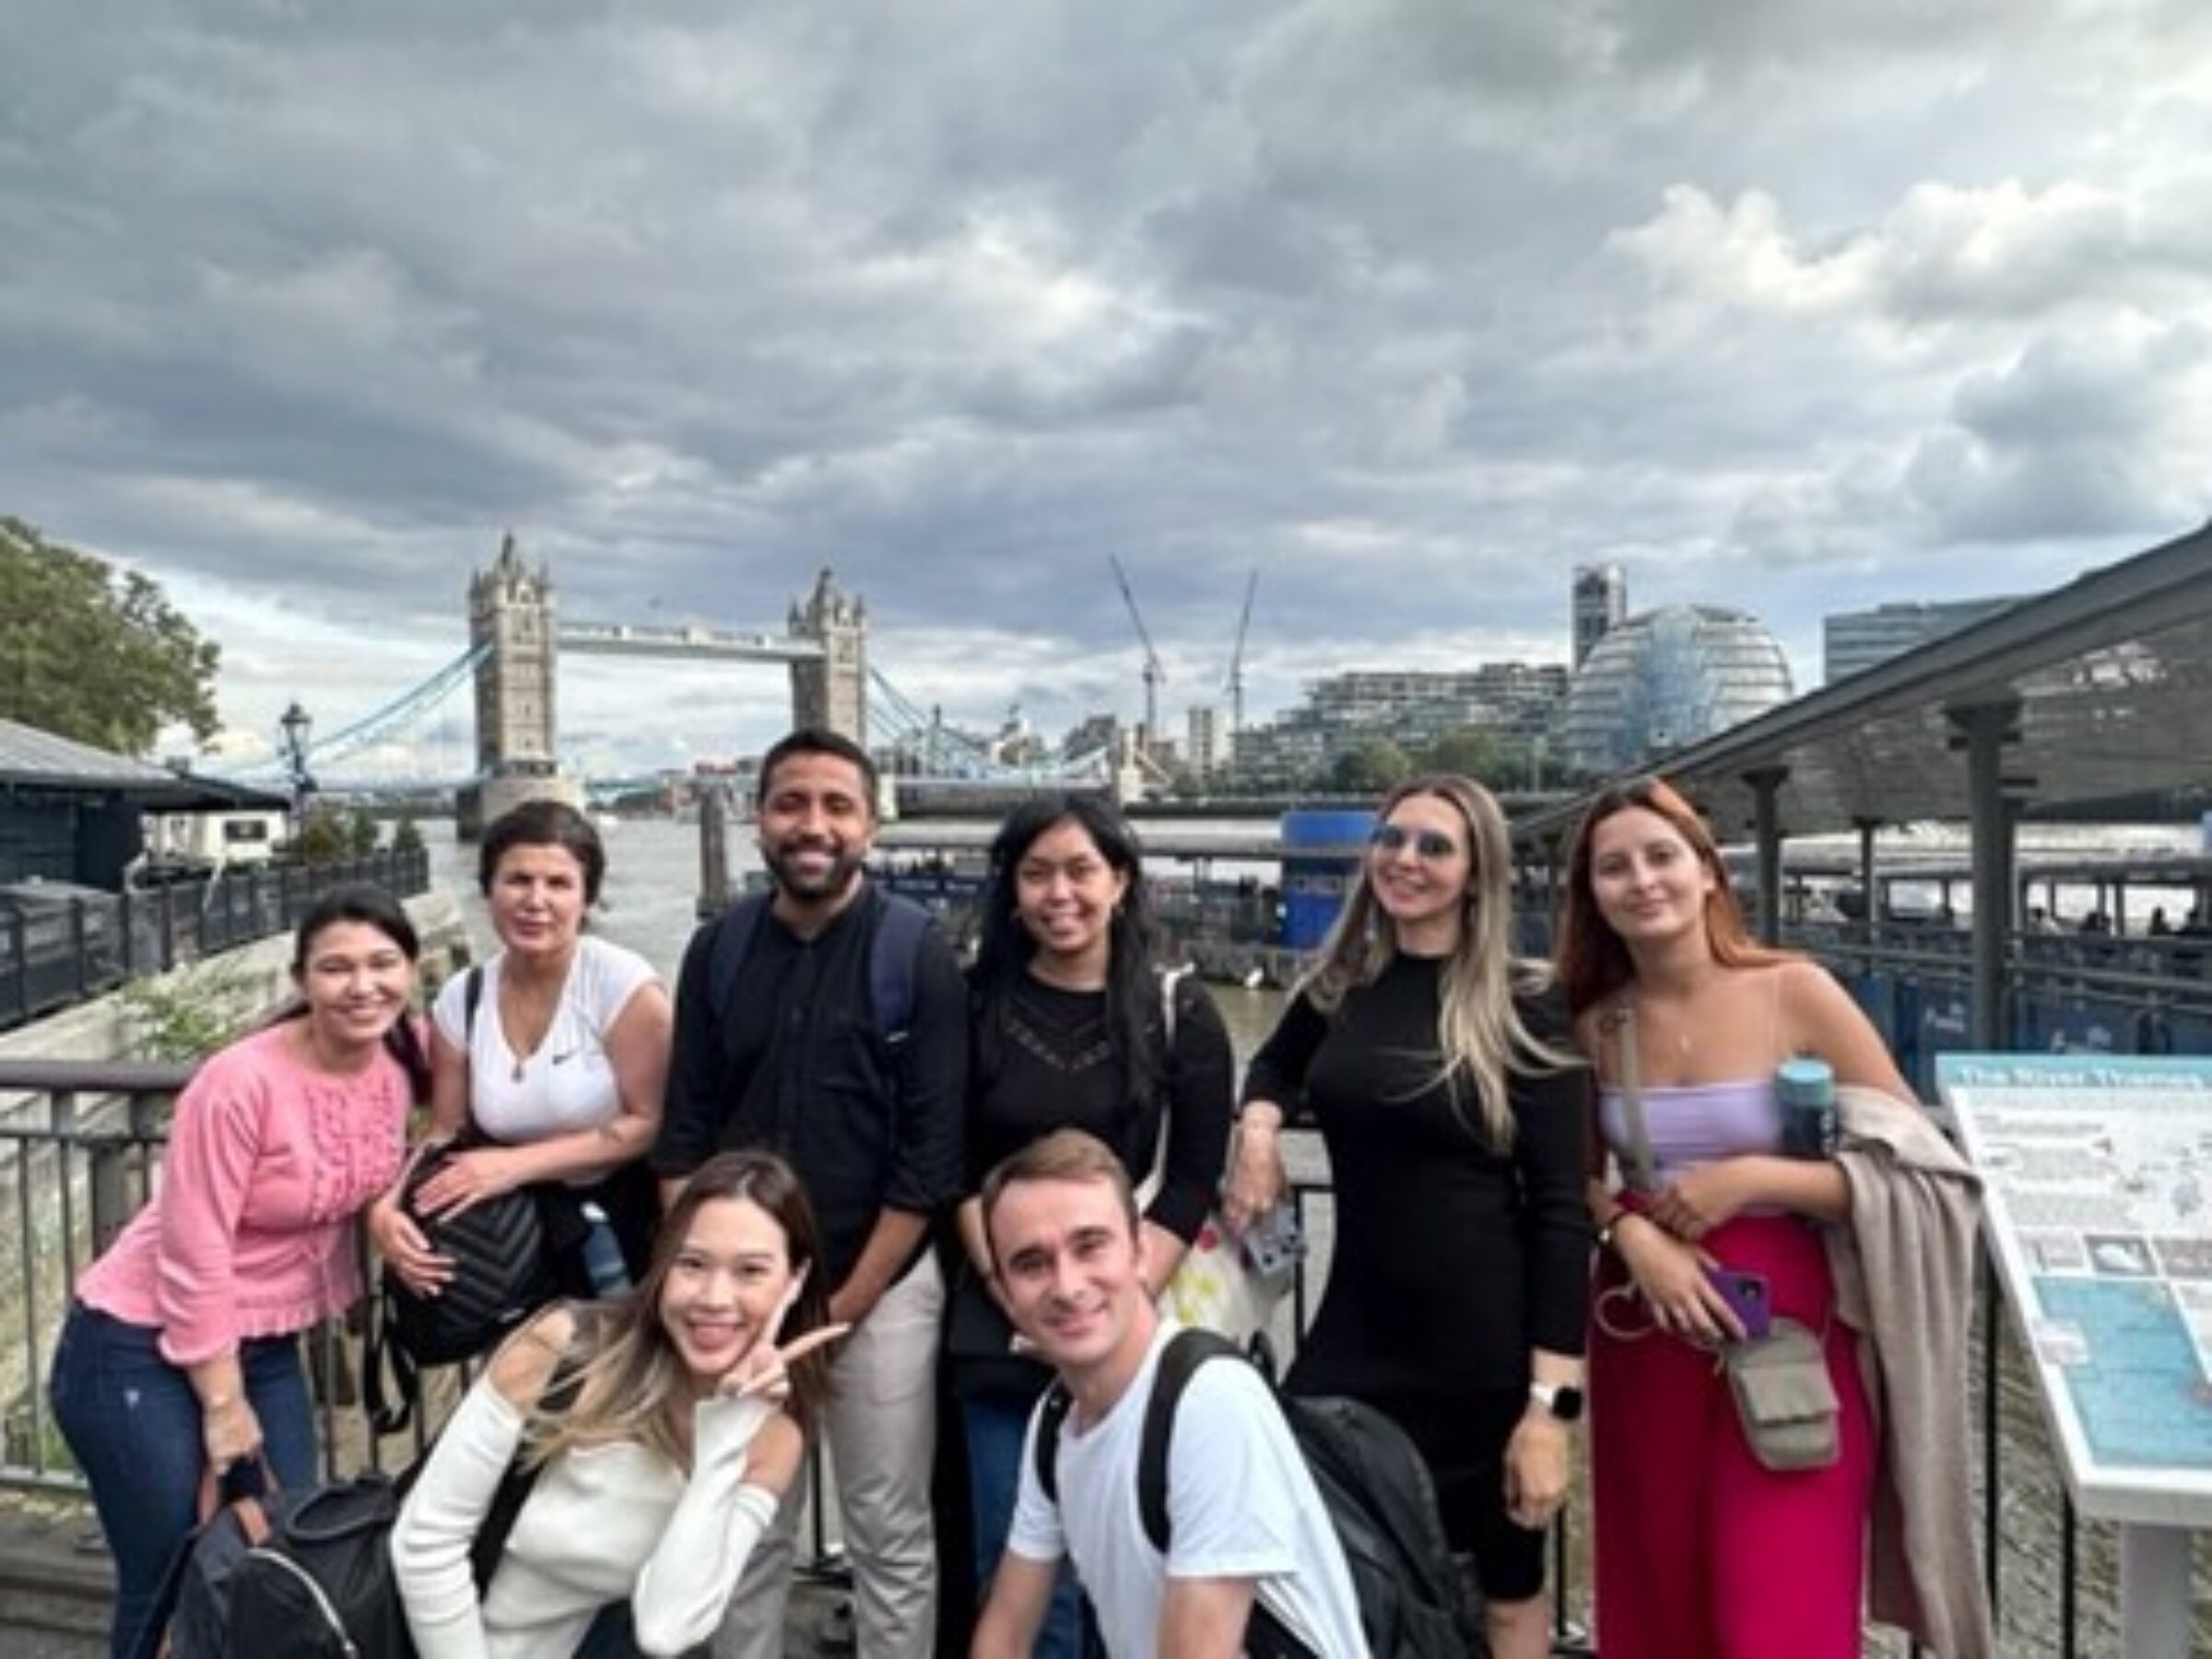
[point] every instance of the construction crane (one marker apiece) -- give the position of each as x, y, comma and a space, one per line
1234, 680
1155, 676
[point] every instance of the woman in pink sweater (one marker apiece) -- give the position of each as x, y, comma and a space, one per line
181, 1347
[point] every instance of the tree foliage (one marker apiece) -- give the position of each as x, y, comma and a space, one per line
1373, 766
1471, 752
94, 654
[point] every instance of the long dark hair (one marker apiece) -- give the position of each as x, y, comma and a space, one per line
1134, 1026
632, 1385
370, 906
1591, 960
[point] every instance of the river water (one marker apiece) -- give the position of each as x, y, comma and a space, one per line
648, 903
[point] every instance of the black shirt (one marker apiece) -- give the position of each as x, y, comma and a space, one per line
794, 1062
1451, 1260
1043, 1061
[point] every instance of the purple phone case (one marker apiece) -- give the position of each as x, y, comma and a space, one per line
1746, 1294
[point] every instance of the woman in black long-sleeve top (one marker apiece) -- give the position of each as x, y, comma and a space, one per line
1441, 1072
1072, 1030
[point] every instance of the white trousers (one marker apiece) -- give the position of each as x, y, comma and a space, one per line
882, 1430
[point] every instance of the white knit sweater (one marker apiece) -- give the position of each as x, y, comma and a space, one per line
603, 1525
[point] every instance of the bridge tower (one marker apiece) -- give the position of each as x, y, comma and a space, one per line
832, 689
511, 608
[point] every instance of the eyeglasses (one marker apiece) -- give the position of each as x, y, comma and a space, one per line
1433, 844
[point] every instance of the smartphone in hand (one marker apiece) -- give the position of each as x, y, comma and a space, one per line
1746, 1294
1275, 1242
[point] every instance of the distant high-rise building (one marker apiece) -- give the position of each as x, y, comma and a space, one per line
1601, 605
1852, 640
1208, 748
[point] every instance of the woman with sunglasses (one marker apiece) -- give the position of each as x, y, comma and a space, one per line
1437, 1066
1701, 1548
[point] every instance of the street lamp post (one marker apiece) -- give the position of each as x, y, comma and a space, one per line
298, 724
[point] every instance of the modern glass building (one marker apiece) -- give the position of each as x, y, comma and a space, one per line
1853, 640
1666, 678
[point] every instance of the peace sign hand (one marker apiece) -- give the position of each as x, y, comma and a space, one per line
765, 1372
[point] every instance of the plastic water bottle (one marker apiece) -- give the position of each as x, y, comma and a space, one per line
1808, 1090
603, 1253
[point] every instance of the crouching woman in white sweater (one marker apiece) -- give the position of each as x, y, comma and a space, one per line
666, 1426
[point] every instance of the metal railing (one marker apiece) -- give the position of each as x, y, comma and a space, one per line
56, 952
80, 1151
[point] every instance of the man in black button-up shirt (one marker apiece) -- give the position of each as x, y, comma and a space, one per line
792, 1058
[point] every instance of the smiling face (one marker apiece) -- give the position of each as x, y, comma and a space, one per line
1648, 882
1418, 867
728, 1286
537, 899
1064, 892
815, 823
1070, 1261
356, 979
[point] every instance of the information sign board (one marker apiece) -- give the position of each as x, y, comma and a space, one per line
2099, 1211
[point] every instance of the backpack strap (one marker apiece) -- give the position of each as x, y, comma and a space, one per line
734, 937
379, 1354
894, 946
893, 953
1052, 1411
1185, 1352
472, 998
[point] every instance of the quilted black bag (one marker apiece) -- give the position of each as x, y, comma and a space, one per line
503, 1272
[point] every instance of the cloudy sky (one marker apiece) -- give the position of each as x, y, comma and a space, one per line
1411, 306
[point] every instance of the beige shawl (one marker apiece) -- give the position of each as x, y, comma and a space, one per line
1904, 1272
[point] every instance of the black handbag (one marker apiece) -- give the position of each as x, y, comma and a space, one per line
503, 1272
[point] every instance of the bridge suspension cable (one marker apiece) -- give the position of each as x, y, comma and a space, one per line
372, 729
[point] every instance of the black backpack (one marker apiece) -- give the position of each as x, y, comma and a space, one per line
274, 1575
1372, 1481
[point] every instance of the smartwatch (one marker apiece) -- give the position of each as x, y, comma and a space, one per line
1563, 1400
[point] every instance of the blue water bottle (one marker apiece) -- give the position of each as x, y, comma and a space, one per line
1808, 1090
603, 1253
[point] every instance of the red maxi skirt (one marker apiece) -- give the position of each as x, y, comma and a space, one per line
1702, 1553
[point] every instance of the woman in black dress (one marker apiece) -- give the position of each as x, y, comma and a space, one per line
1441, 1071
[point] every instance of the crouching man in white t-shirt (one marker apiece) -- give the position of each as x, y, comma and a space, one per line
1245, 1521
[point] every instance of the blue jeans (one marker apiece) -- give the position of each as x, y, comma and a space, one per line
996, 1430
133, 1422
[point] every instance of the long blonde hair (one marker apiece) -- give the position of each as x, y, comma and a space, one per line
630, 1382
1480, 1036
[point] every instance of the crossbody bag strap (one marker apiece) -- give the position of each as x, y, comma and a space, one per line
1640, 1173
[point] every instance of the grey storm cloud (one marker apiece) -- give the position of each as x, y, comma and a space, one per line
1409, 304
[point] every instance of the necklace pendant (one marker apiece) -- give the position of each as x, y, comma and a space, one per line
518, 1070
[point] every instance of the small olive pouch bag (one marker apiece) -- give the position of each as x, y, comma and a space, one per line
1787, 1402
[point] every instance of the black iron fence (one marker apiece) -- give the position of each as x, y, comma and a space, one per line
61, 950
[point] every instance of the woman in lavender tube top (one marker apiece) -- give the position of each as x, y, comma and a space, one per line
1700, 1550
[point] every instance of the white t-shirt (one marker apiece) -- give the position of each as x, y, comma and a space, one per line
568, 1084
1241, 1504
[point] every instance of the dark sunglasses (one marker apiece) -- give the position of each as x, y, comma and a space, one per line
1432, 845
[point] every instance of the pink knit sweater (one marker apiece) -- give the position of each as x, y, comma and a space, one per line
249, 1234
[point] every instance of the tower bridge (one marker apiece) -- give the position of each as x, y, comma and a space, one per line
516, 637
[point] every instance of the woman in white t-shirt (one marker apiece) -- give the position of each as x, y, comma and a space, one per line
547, 1063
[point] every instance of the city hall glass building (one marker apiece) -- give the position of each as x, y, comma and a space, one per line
1666, 678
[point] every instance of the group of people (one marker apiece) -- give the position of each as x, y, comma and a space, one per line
881, 1181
